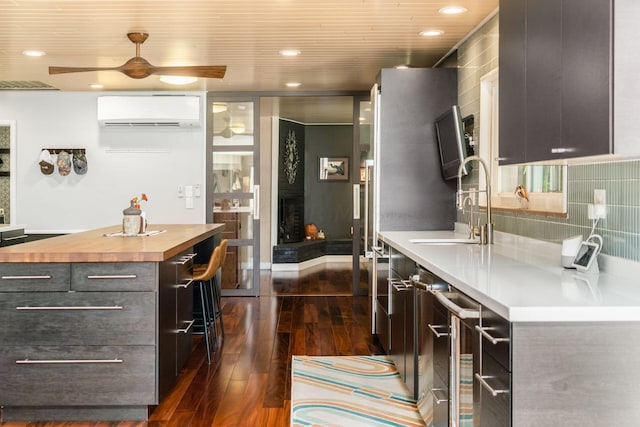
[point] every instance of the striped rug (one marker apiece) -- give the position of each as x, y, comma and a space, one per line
353, 391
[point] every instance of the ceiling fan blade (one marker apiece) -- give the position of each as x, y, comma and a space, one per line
205, 71
63, 70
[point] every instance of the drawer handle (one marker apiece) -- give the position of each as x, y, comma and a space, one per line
186, 330
186, 258
435, 331
89, 307
485, 384
113, 276
26, 277
63, 361
440, 395
14, 237
185, 285
493, 340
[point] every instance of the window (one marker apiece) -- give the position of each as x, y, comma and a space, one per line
544, 184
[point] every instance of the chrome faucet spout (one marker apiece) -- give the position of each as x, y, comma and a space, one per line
487, 190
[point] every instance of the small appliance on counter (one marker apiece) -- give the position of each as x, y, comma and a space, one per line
570, 248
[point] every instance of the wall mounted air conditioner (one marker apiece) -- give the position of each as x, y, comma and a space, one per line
149, 111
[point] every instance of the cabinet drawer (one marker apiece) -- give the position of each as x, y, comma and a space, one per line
77, 375
75, 318
495, 410
497, 328
117, 276
20, 277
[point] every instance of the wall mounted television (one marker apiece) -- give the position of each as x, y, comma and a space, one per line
452, 144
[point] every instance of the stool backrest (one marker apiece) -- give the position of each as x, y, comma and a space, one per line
223, 249
212, 266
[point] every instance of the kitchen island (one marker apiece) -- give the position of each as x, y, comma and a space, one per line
544, 345
96, 326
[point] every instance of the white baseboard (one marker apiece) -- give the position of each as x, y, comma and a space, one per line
326, 259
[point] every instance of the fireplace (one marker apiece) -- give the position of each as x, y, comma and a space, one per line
290, 219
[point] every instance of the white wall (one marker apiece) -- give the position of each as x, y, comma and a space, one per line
121, 164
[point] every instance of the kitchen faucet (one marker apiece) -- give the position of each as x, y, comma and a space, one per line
486, 231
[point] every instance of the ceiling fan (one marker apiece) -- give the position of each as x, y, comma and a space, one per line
139, 68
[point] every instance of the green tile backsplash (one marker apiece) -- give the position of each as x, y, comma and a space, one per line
621, 179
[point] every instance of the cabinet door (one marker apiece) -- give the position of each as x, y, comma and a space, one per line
586, 68
512, 82
543, 79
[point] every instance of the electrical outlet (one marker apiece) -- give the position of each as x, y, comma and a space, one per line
599, 197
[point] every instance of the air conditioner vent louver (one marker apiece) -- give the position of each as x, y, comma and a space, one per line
149, 111
142, 124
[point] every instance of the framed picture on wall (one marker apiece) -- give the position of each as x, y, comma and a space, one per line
333, 169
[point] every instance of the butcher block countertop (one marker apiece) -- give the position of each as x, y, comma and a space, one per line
97, 246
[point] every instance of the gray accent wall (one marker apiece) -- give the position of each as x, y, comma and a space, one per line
620, 230
328, 204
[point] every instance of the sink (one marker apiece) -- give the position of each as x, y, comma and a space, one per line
450, 241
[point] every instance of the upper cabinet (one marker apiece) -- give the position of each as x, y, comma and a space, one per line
555, 79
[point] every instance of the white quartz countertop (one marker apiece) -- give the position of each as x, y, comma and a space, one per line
522, 279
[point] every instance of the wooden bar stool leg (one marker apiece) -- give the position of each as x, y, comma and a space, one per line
205, 319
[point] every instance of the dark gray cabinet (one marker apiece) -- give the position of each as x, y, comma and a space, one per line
175, 320
13, 237
555, 79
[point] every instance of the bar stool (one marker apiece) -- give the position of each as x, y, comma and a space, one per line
203, 276
217, 292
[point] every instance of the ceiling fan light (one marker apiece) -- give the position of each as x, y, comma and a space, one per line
238, 129
178, 80
219, 107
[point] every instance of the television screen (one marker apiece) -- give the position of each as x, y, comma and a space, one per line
451, 143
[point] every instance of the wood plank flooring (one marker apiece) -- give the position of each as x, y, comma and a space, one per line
248, 381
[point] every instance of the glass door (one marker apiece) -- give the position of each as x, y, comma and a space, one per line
233, 189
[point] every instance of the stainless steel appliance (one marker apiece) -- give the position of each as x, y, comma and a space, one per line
462, 316
424, 282
381, 322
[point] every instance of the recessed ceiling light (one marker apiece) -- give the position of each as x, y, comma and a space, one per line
178, 80
431, 33
452, 10
290, 52
96, 86
33, 53
293, 84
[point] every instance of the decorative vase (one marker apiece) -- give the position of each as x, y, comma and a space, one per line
131, 221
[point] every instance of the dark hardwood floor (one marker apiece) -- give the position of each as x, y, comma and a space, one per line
248, 381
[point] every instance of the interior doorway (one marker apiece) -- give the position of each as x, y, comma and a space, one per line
7, 172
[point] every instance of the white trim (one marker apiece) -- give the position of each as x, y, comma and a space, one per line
326, 259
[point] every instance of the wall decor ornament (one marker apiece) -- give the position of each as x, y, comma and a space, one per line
291, 157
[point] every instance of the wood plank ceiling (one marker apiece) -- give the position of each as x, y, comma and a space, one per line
343, 43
